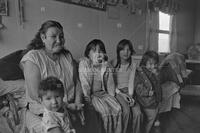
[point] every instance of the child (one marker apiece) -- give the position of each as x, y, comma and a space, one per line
98, 86
147, 88
125, 68
55, 118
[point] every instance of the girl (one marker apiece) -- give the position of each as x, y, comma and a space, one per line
147, 88
98, 86
125, 68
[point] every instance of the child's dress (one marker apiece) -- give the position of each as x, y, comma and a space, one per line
99, 85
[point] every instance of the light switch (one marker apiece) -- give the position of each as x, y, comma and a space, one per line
119, 25
42, 9
79, 25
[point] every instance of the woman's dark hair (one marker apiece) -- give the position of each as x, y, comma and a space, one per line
94, 43
37, 43
149, 55
50, 84
120, 46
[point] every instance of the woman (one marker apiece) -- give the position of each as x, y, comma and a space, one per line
147, 88
47, 56
98, 86
124, 78
172, 76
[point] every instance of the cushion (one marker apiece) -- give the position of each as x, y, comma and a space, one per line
9, 66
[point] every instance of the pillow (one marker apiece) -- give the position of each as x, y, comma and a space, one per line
9, 66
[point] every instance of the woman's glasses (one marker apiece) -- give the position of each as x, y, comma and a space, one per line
55, 37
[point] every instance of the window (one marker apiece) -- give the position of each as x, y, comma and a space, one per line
164, 33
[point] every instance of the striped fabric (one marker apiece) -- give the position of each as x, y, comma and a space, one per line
96, 85
110, 112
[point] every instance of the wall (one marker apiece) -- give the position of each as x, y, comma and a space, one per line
80, 26
83, 24
185, 25
197, 24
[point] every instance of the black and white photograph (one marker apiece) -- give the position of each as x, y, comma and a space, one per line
99, 66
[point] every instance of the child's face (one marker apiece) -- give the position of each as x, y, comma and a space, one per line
151, 65
53, 101
125, 53
96, 55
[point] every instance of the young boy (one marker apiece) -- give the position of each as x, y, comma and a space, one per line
55, 118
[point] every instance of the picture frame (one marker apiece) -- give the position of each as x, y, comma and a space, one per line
95, 4
112, 2
4, 7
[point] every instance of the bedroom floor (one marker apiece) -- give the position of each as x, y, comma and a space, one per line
185, 120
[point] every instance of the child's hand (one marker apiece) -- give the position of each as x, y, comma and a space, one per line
151, 93
79, 106
87, 99
75, 106
130, 100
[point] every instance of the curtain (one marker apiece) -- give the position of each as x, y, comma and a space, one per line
152, 32
152, 19
167, 6
173, 35
152, 35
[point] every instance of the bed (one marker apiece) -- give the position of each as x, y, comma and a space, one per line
12, 94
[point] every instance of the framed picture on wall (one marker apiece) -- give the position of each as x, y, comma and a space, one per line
112, 2
96, 4
4, 7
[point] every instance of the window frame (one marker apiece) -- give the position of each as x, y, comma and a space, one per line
168, 32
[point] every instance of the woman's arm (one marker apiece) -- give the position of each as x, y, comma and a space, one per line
79, 92
32, 79
84, 79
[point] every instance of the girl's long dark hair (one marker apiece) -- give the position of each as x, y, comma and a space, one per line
94, 43
120, 46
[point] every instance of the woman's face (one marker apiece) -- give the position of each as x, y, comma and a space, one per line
151, 65
125, 53
96, 55
53, 40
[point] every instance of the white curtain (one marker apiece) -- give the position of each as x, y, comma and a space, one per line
173, 35
152, 20
152, 32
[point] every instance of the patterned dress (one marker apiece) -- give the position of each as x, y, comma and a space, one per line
99, 85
